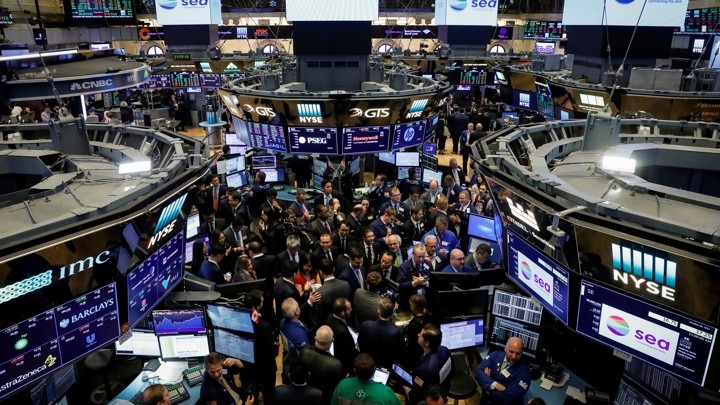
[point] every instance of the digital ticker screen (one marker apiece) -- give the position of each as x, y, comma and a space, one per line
665, 339
541, 277
179, 321
409, 134
265, 136
313, 140
92, 10
545, 102
371, 139
41, 345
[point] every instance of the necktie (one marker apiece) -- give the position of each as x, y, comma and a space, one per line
505, 365
397, 259
395, 207
212, 226
370, 253
327, 201
448, 192
238, 237
439, 240
327, 228
230, 391
342, 242
419, 231
328, 255
358, 274
215, 198
386, 274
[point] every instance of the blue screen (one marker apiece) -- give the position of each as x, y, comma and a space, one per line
524, 99
481, 227
313, 140
179, 321
365, 140
235, 319
233, 345
665, 339
409, 134
539, 276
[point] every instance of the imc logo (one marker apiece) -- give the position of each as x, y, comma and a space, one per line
169, 213
416, 108
310, 113
644, 271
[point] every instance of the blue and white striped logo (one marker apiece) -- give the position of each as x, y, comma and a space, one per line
169, 213
418, 105
310, 113
644, 271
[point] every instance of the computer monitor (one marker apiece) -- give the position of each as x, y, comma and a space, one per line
231, 318
195, 283
183, 346
234, 165
440, 281
464, 333
381, 375
276, 175
232, 138
495, 250
237, 150
407, 158
481, 227
514, 305
234, 345
140, 343
179, 321
189, 247
463, 302
264, 162
192, 225
387, 157
429, 175
236, 180
234, 290
319, 166
403, 172
503, 329
355, 166
51, 390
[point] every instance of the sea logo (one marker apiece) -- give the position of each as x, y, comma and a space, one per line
64, 323
617, 325
525, 270
310, 113
416, 108
90, 339
625, 1
169, 213
409, 134
457, 5
167, 4
21, 343
644, 271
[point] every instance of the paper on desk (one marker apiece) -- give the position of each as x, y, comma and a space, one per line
576, 393
546, 384
170, 372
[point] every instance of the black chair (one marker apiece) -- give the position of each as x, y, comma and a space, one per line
99, 361
462, 383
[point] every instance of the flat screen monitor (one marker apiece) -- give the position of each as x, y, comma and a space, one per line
194, 89
403, 172
232, 138
507, 114
308, 140
233, 290
179, 321
234, 165
463, 302
185, 346
514, 305
429, 175
192, 225
545, 47
236, 180
539, 276
231, 318
319, 166
371, 139
266, 136
409, 134
195, 283
463, 334
139, 344
665, 339
481, 227
99, 46
274, 175
500, 76
234, 345
237, 150
355, 166
52, 389
387, 157
317, 181
264, 162
524, 99
503, 329
189, 247
407, 159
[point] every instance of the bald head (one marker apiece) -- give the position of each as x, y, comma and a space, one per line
324, 338
513, 349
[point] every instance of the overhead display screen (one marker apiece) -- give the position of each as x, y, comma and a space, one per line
336, 10
266, 136
159, 82
365, 140
667, 340
524, 99
701, 21
625, 12
44, 343
313, 140
544, 30
466, 12
184, 79
545, 103
212, 80
234, 319
539, 276
94, 12
409, 134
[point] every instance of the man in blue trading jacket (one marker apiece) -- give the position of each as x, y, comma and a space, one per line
457, 263
413, 276
446, 240
504, 376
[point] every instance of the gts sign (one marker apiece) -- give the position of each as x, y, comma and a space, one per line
370, 112
261, 111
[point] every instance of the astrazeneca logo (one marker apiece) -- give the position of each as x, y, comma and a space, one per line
524, 100
95, 84
317, 141
416, 108
643, 271
409, 134
370, 112
262, 111
310, 113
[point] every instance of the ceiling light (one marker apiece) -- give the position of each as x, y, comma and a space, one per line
618, 164
38, 54
135, 167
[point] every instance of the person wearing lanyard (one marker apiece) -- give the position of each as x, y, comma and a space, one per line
216, 387
504, 376
446, 240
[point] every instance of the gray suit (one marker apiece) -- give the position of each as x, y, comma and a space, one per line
365, 305
470, 261
331, 289
230, 235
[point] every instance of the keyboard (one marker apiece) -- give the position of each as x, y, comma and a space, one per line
194, 375
137, 399
152, 365
178, 393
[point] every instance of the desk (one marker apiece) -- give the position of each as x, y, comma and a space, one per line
137, 385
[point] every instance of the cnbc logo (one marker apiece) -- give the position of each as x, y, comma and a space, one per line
644, 272
310, 113
416, 108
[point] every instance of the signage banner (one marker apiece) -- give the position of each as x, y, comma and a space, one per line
189, 12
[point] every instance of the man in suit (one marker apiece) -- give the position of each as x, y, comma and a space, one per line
355, 273
480, 259
413, 229
429, 369
457, 122
371, 249
232, 207
354, 221
237, 234
438, 261
321, 224
414, 198
271, 206
292, 250
451, 190
258, 193
460, 217
413, 276
326, 249
300, 207
432, 193
344, 349
456, 172
294, 331
365, 302
298, 392
331, 289
447, 240
440, 210
387, 268
402, 212
264, 370
381, 339
326, 371
265, 265
210, 267
457, 263
326, 196
379, 192
343, 237
214, 193
399, 255
211, 223
385, 225
504, 376
216, 387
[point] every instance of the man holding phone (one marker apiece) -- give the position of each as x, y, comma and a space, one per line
219, 388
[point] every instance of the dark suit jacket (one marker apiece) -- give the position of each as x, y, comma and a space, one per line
405, 279
276, 212
266, 266
382, 340
211, 272
428, 370
440, 262
295, 206
297, 395
337, 242
226, 212
377, 250
365, 305
319, 253
356, 227
393, 271
326, 371
381, 231
284, 256
316, 228
409, 233
230, 235
212, 389
283, 290
208, 196
345, 350
453, 196
340, 263
265, 367
402, 212
220, 225
461, 174
349, 275
320, 199
331, 289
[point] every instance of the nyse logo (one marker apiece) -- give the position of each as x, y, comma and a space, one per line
416, 108
310, 113
643, 271
370, 112
524, 100
262, 111
95, 84
167, 220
